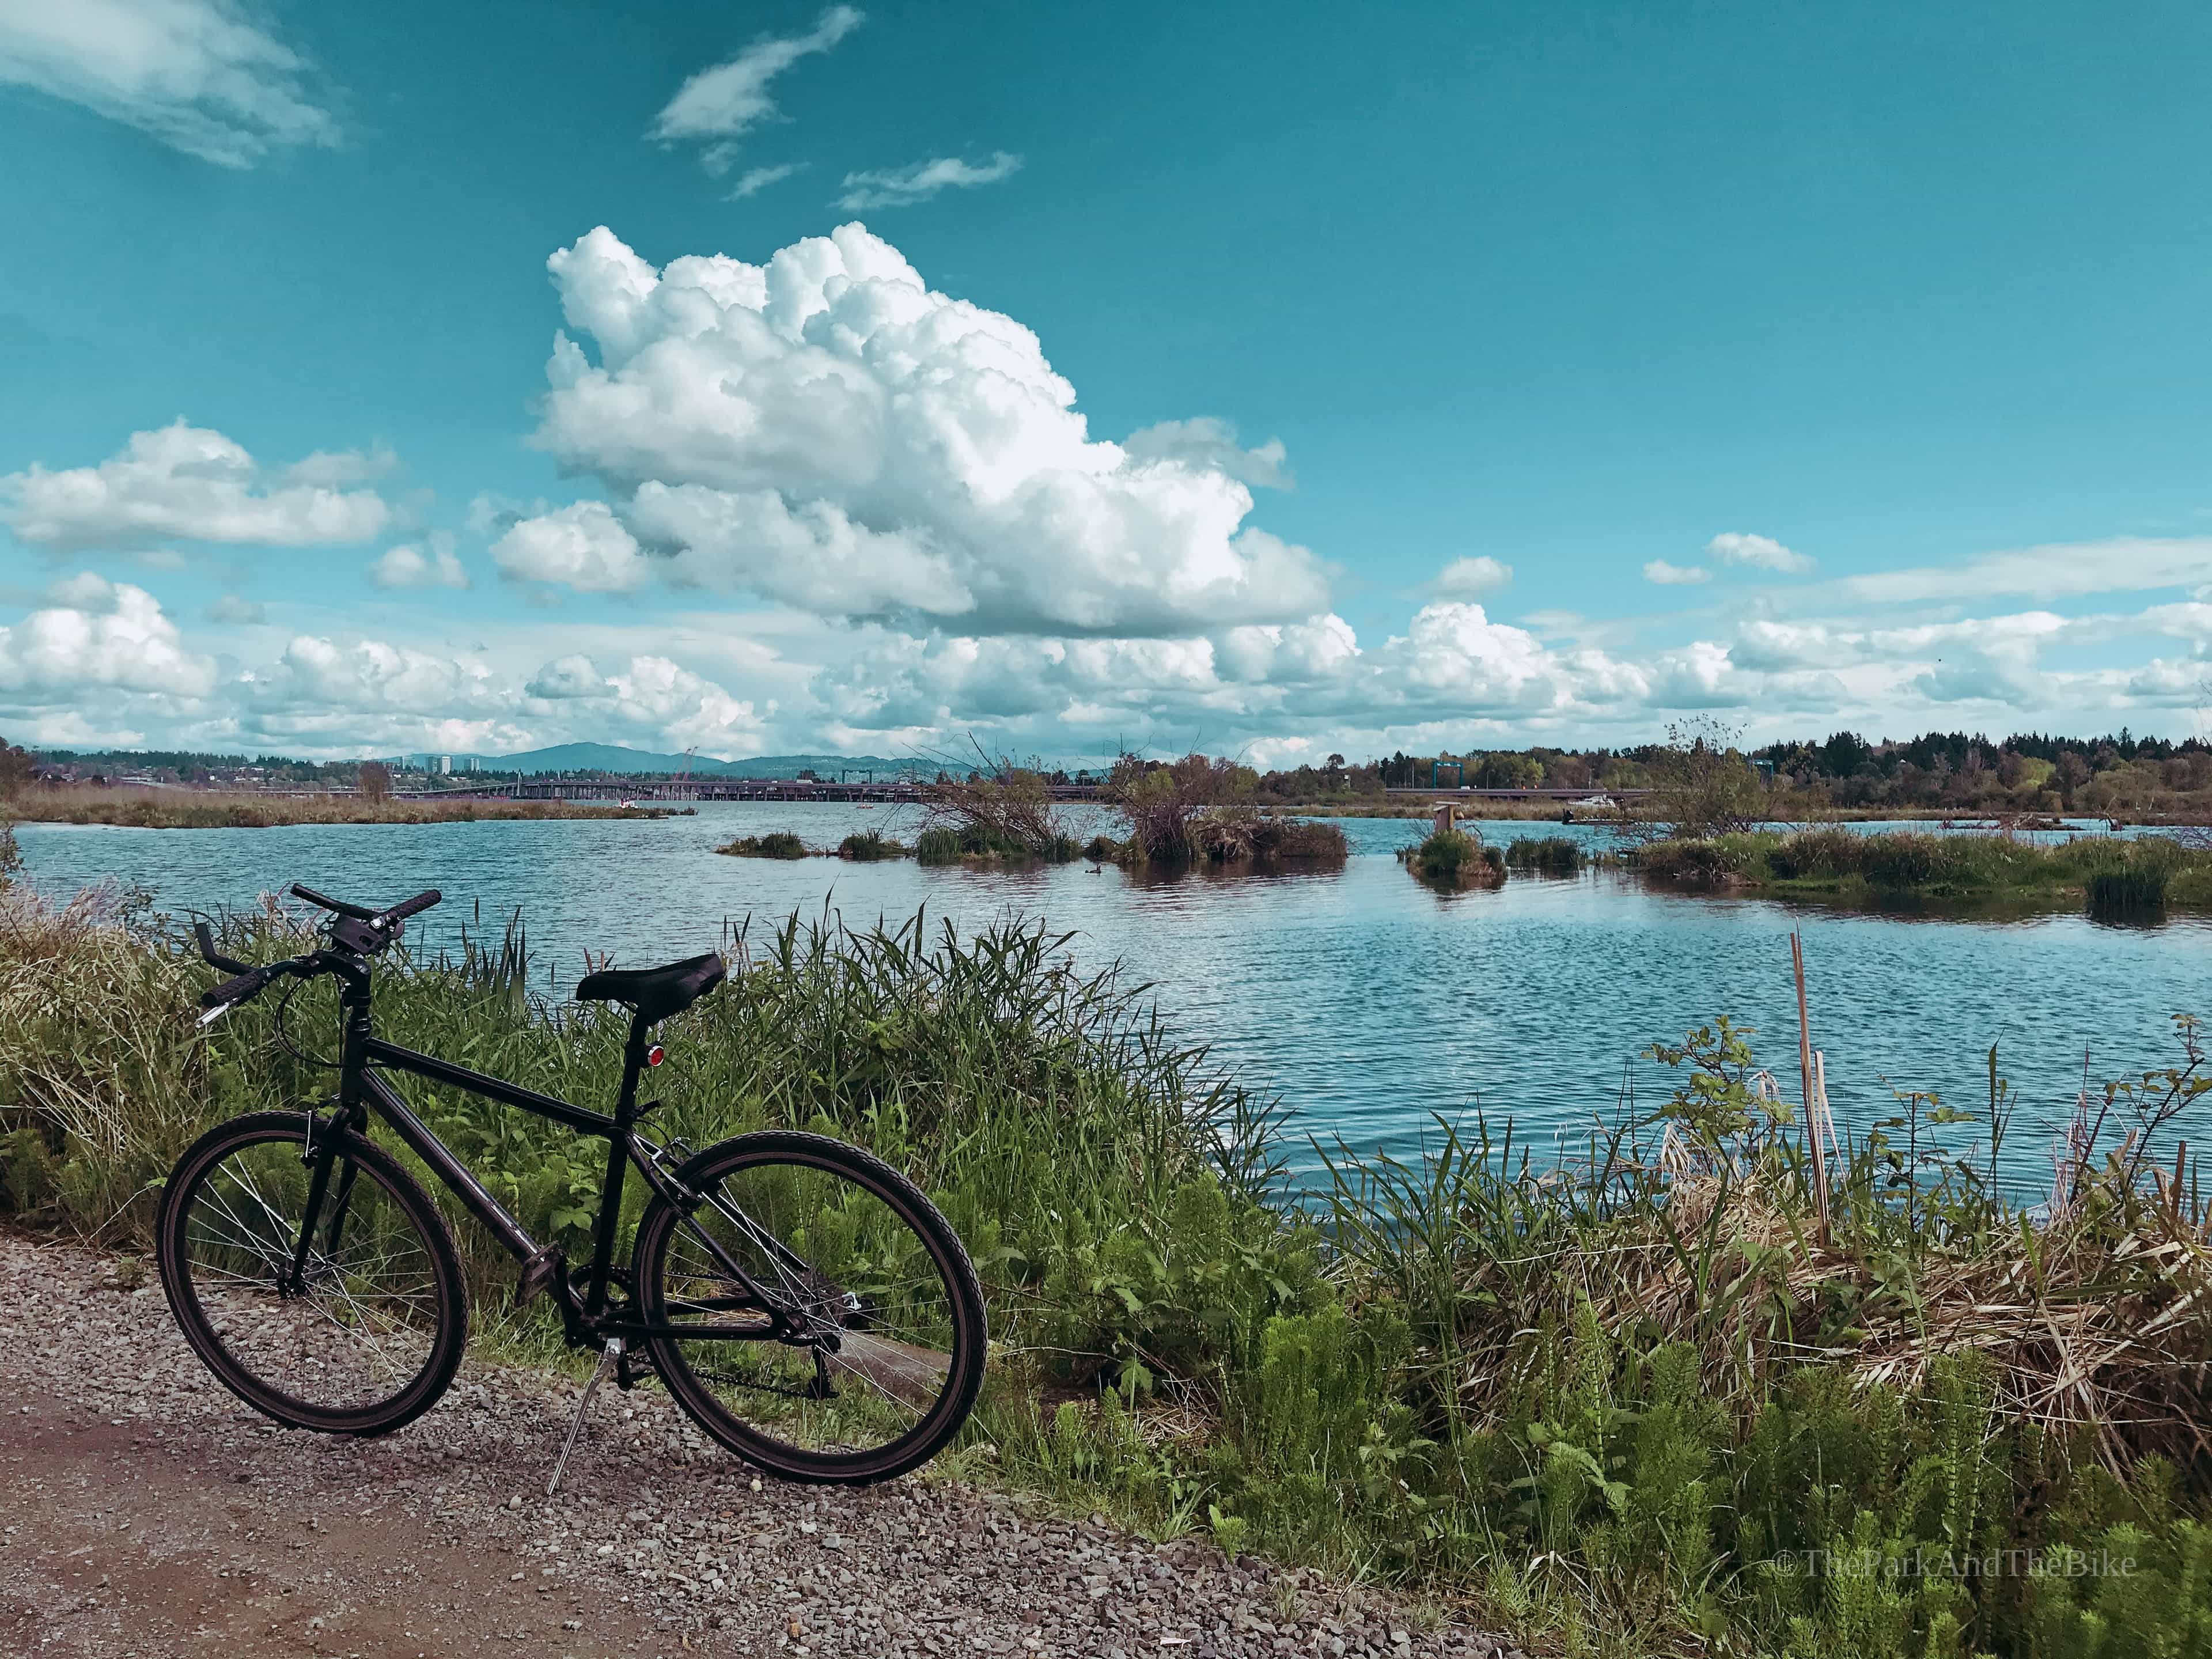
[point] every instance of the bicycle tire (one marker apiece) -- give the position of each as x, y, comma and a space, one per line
197, 1220
961, 1324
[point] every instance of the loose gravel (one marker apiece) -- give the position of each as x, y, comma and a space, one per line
147, 1512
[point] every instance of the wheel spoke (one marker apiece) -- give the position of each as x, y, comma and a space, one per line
875, 1344
357, 1326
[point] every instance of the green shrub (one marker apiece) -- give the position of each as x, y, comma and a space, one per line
868, 846
777, 844
1694, 863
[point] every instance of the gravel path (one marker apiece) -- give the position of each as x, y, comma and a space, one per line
148, 1512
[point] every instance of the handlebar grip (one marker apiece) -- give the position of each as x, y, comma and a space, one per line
337, 906
213, 957
420, 901
237, 990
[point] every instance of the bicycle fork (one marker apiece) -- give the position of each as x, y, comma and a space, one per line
320, 1160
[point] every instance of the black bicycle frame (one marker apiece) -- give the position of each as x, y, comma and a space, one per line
586, 1317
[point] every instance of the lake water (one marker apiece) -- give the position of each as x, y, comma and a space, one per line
1368, 1000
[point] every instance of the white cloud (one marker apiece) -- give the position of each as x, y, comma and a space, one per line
1471, 578
566, 678
200, 76
373, 676
1288, 653
409, 566
335, 469
1758, 552
1675, 575
582, 546
903, 186
921, 448
686, 710
102, 635
186, 482
756, 179
2055, 571
237, 609
814, 558
721, 104
1210, 443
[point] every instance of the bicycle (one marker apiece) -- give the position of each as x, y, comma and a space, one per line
802, 1302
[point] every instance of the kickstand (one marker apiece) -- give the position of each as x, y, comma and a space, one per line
608, 1360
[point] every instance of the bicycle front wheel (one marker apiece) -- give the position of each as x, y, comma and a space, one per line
360, 1337
840, 1323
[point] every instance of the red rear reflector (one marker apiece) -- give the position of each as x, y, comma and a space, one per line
655, 1054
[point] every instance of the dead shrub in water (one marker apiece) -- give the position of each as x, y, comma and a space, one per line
1233, 835
1008, 813
1164, 803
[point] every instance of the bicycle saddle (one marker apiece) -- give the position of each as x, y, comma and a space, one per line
655, 993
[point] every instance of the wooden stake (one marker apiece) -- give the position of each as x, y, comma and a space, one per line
1805, 1071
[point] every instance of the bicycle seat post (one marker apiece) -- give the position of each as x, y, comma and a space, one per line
602, 1242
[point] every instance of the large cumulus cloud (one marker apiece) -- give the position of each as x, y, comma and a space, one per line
827, 431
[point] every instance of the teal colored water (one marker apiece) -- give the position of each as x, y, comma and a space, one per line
1369, 1001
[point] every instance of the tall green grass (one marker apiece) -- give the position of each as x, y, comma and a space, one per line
1635, 1401
1453, 858
945, 843
1549, 856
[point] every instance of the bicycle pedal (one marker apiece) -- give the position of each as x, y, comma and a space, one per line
537, 1274
632, 1368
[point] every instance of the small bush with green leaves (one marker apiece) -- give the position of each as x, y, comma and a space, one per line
776, 844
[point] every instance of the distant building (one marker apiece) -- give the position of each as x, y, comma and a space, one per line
445, 765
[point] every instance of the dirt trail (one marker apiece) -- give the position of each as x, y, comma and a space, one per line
145, 1512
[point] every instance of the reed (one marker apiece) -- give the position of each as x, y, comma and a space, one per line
1631, 1400
1550, 855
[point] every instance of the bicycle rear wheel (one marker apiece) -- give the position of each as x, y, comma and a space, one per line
362, 1341
883, 1343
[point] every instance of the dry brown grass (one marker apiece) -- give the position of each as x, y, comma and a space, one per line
209, 809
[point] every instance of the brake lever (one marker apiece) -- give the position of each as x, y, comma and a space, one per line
214, 1014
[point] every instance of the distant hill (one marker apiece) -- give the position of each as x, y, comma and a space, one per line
611, 757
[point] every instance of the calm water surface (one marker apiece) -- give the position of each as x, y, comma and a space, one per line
1371, 1002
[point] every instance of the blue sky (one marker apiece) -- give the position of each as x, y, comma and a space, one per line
1272, 379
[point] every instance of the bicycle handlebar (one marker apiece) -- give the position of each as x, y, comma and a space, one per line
247, 986
421, 901
337, 907
399, 913
382, 929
